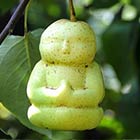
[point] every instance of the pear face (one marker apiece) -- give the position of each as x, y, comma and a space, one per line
68, 42
66, 85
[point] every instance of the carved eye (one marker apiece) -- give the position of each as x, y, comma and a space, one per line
86, 66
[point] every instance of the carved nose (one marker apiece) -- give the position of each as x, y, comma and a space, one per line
66, 47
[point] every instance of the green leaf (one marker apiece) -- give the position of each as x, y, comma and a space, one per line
104, 3
136, 3
112, 99
118, 45
111, 125
53, 10
129, 114
5, 134
6, 5
18, 55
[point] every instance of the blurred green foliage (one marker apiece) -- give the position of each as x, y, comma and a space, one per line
117, 27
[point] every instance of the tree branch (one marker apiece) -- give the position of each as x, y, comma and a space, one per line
13, 20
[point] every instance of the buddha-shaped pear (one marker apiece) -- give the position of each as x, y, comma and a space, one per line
66, 85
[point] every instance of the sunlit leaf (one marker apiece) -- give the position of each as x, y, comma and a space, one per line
110, 122
4, 113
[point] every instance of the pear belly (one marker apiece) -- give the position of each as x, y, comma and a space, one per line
74, 75
65, 118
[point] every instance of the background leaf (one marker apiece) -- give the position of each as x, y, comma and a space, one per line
6, 5
104, 3
136, 3
118, 47
17, 57
46, 11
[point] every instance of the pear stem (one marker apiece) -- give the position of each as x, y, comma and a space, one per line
72, 11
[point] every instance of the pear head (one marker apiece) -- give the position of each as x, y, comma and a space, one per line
67, 42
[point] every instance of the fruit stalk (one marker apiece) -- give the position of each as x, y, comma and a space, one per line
72, 11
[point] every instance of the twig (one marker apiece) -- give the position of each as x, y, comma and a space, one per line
13, 20
72, 11
26, 17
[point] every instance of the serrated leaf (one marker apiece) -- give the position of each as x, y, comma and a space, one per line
17, 58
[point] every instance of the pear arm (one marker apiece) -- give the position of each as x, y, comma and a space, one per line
37, 90
93, 92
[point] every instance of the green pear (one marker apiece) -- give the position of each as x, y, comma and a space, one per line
66, 85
